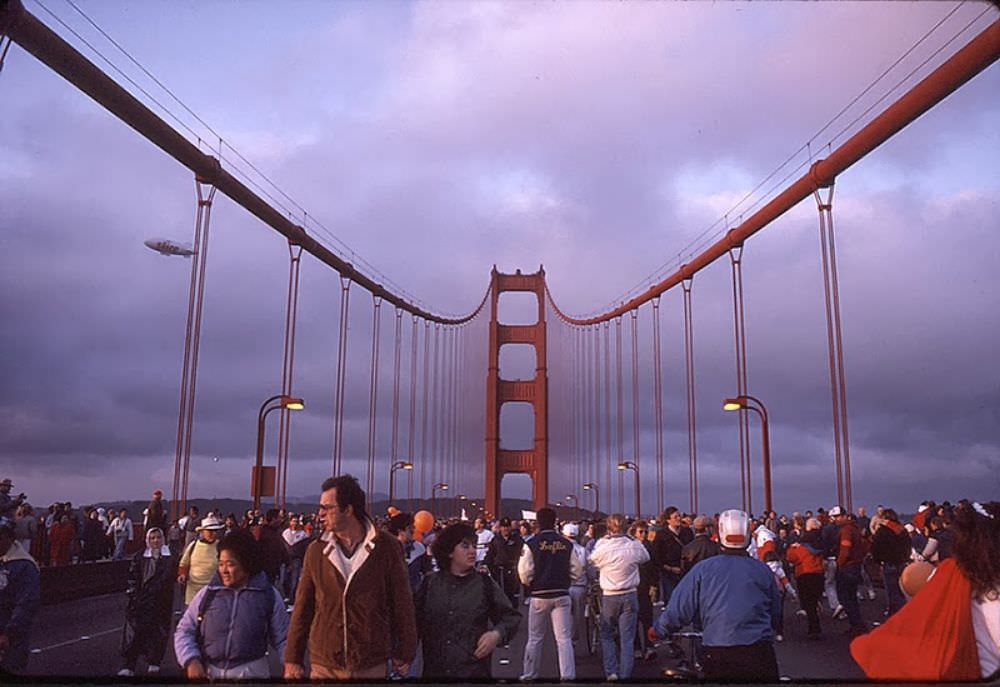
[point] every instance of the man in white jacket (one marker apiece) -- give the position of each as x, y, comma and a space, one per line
618, 557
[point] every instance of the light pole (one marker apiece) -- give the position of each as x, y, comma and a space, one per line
629, 465
743, 403
258, 478
443, 486
398, 465
590, 486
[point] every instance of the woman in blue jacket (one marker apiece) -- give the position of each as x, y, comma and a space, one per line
229, 624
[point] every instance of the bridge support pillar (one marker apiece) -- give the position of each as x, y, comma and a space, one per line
533, 462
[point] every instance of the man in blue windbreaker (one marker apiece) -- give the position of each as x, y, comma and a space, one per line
20, 597
735, 601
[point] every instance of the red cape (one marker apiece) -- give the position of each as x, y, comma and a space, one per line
930, 638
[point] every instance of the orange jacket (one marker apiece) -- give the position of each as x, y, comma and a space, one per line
804, 560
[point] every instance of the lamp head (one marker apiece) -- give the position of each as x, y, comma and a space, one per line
734, 403
622, 466
292, 403
407, 466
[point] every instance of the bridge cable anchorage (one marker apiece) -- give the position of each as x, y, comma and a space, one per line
412, 434
339, 401
192, 341
689, 383
287, 372
426, 469
373, 392
739, 333
835, 347
397, 350
658, 394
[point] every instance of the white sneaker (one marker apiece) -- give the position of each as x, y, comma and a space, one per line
613, 677
125, 672
871, 594
839, 613
152, 669
801, 612
779, 638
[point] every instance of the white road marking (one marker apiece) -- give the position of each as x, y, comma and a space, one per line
82, 638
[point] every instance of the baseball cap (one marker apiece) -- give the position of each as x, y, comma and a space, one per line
734, 529
835, 511
571, 529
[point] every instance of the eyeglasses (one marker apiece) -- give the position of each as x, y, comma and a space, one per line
323, 507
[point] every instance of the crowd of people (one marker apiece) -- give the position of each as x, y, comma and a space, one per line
345, 594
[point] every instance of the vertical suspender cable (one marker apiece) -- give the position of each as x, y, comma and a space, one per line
287, 371
397, 350
620, 422
597, 407
412, 434
338, 402
435, 407
373, 392
607, 406
425, 462
691, 426
634, 316
574, 381
192, 339
658, 398
739, 334
202, 261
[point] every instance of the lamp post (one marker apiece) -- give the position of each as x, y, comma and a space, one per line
744, 403
590, 486
443, 486
629, 465
265, 408
398, 465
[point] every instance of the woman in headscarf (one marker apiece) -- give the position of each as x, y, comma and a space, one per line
150, 600
462, 615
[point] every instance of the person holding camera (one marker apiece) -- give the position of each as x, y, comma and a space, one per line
9, 504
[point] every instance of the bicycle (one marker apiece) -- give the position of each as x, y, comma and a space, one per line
592, 615
686, 669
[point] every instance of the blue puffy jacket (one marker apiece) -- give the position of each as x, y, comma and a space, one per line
733, 598
237, 626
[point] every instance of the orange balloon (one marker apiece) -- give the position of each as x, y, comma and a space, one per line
423, 521
393, 511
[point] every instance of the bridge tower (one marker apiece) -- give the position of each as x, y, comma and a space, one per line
533, 462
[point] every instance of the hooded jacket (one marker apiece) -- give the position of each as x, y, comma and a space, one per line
20, 598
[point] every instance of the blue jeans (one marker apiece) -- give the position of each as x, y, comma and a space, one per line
619, 612
119, 553
890, 579
668, 581
848, 580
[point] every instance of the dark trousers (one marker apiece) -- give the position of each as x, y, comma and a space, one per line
890, 579
751, 663
848, 579
810, 591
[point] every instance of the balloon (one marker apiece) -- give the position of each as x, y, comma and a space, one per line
393, 511
423, 521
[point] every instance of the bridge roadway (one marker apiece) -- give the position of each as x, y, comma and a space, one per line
81, 639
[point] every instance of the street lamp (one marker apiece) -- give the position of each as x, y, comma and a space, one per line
443, 486
743, 403
576, 501
629, 465
590, 486
288, 402
398, 465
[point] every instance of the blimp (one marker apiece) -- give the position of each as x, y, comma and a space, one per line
168, 247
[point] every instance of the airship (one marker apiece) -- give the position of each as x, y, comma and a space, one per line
167, 247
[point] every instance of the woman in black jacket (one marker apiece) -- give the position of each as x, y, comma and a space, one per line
151, 577
462, 615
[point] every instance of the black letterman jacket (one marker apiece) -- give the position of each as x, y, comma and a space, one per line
526, 566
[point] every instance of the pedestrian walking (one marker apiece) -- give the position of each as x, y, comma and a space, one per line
618, 557
156, 515
736, 602
891, 549
462, 616
150, 604
225, 632
807, 558
548, 568
502, 554
353, 609
200, 558
121, 532
850, 556
20, 599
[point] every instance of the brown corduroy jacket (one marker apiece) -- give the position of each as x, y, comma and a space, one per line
357, 623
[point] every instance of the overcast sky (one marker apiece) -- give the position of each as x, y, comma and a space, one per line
439, 139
